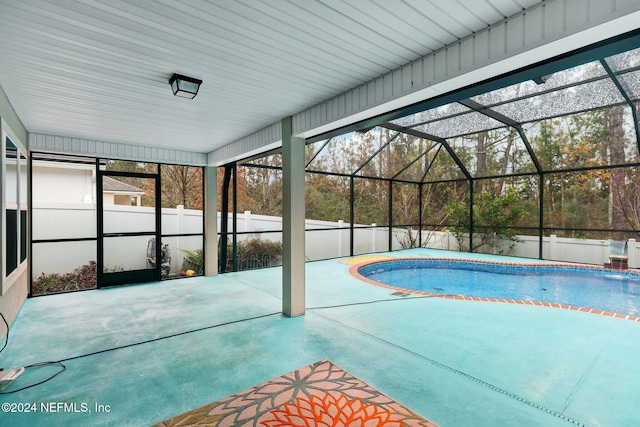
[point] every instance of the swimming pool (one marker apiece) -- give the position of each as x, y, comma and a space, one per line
593, 288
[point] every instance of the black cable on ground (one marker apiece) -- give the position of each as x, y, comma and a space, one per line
225, 324
349, 304
59, 362
6, 341
38, 365
177, 334
35, 365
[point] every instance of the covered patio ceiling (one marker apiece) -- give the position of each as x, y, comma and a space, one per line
98, 69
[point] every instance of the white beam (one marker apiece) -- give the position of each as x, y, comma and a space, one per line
256, 143
211, 220
113, 150
293, 213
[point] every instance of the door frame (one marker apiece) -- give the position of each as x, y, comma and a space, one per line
133, 276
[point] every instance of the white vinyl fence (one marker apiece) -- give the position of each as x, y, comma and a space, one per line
584, 251
324, 239
78, 220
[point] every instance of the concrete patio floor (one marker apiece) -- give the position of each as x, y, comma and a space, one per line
149, 352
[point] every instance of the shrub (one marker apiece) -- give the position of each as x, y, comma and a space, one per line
260, 247
494, 216
255, 253
83, 277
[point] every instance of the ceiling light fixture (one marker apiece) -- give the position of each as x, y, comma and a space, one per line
186, 87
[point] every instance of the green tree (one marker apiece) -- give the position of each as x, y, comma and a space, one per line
327, 197
494, 217
181, 185
262, 192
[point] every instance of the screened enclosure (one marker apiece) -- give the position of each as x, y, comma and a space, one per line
520, 165
99, 222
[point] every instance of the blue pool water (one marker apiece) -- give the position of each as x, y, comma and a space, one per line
614, 291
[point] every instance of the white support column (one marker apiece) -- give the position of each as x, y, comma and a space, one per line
293, 213
211, 220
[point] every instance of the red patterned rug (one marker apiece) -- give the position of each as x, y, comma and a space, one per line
320, 394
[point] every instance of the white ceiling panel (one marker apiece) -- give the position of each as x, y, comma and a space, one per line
99, 69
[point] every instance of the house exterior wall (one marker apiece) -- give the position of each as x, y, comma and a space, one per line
124, 199
108, 198
62, 185
71, 183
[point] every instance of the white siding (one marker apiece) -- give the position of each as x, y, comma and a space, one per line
113, 150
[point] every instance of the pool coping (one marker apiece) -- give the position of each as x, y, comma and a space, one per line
354, 271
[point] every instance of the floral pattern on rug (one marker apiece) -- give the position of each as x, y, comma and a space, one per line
320, 394
330, 410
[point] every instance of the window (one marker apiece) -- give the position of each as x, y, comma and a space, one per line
15, 209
